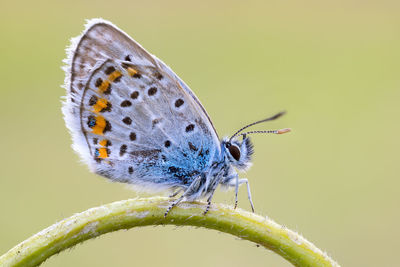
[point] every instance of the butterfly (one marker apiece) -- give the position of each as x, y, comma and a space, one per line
133, 120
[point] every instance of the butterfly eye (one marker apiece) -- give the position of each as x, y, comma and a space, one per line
235, 152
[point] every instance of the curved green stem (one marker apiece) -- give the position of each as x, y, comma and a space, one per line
150, 211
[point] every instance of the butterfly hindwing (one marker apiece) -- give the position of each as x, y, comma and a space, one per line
132, 119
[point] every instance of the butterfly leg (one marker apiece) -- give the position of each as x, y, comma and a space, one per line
176, 193
236, 190
209, 202
236, 183
242, 181
188, 192
176, 202
211, 191
233, 180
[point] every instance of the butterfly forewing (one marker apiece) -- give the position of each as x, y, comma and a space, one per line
132, 119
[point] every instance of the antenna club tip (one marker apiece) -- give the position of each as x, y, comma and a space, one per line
282, 131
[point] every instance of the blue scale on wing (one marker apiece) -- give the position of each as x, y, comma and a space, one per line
140, 124
130, 105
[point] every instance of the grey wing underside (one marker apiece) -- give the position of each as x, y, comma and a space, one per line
131, 118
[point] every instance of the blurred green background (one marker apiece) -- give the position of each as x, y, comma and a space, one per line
333, 65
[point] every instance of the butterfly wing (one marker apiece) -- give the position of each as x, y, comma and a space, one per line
131, 118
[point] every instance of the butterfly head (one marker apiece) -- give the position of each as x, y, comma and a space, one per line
238, 153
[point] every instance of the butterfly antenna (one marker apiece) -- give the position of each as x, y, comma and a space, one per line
281, 131
257, 122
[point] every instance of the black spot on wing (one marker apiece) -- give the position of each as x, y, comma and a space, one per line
179, 102
132, 136
189, 128
126, 103
135, 95
122, 150
152, 91
127, 120
109, 70
91, 121
98, 82
93, 100
167, 143
108, 127
192, 147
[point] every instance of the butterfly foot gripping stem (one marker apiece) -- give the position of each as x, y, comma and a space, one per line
173, 205
207, 208
209, 201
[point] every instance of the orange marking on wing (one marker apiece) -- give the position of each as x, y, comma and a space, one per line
100, 125
100, 104
103, 153
114, 75
104, 86
103, 142
131, 71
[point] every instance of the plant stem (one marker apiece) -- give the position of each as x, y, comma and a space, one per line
150, 211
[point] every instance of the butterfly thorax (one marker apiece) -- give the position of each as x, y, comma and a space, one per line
207, 182
233, 155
